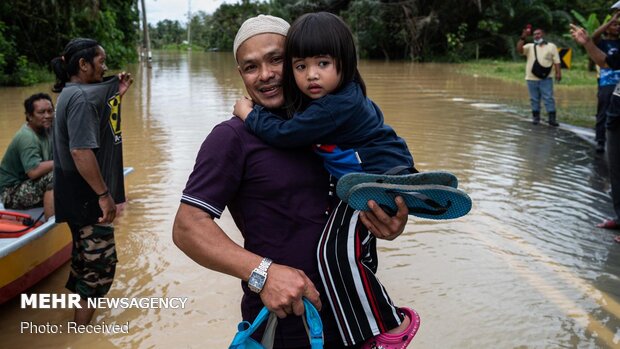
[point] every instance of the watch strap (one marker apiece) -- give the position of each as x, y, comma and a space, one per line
261, 269
264, 264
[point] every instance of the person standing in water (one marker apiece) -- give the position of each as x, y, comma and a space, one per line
612, 124
608, 78
326, 96
277, 197
88, 171
545, 54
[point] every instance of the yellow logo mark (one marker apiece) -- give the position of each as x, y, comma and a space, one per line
115, 121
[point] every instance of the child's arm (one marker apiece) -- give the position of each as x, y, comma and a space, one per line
315, 125
243, 107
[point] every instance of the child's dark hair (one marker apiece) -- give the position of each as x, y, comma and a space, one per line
314, 34
68, 64
29, 102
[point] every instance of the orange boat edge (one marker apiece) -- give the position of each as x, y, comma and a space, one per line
47, 250
28, 256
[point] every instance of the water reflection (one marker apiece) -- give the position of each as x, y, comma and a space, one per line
526, 268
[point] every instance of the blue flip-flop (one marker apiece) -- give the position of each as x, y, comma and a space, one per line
348, 181
425, 201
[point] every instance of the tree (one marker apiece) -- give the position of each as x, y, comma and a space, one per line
227, 19
43, 28
200, 35
365, 17
166, 33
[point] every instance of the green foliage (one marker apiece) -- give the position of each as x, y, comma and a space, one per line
199, 30
490, 25
577, 77
113, 40
590, 24
167, 32
27, 73
214, 32
7, 52
404, 29
34, 31
37, 30
226, 20
455, 43
365, 17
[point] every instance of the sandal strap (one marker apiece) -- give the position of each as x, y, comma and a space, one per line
399, 170
436, 208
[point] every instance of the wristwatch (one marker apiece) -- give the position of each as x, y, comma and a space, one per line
259, 275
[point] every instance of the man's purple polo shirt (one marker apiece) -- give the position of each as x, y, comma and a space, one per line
277, 198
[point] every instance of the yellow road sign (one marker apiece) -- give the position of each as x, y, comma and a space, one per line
566, 56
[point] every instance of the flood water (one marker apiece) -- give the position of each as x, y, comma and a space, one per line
525, 269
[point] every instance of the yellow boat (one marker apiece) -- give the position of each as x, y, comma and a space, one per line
27, 259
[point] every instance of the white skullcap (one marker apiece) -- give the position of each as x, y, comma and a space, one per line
260, 24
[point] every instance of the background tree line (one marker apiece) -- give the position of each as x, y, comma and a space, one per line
420, 30
32, 32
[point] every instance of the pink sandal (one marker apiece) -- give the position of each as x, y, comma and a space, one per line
399, 340
609, 224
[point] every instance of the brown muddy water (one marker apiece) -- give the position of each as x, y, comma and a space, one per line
525, 269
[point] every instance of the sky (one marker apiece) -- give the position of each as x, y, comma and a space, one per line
158, 10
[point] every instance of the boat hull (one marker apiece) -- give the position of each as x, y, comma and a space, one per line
32, 262
27, 259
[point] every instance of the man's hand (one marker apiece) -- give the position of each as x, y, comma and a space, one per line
579, 34
381, 225
527, 31
106, 203
284, 290
124, 82
243, 107
581, 37
43, 168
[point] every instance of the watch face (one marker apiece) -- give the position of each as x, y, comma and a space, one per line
257, 280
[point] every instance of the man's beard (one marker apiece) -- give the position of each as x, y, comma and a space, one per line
43, 131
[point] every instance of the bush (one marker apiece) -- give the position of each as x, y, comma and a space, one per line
27, 73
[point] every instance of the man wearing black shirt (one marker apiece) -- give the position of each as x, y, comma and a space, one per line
613, 121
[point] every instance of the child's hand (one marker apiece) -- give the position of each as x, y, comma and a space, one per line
243, 107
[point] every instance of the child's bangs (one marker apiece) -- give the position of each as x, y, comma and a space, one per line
313, 40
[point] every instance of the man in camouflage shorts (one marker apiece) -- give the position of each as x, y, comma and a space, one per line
28, 193
26, 168
88, 170
93, 260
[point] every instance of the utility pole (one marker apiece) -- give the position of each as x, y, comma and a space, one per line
146, 40
189, 25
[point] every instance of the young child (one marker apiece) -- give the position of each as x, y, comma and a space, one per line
326, 97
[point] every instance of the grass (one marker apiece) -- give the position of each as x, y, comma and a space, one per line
578, 77
179, 47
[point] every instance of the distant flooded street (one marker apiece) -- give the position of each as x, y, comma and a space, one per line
526, 268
